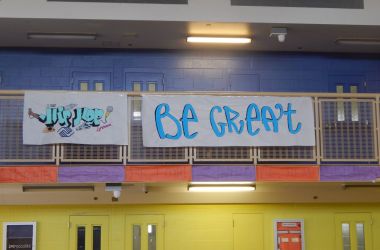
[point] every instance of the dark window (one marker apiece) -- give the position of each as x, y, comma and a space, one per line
20, 231
96, 237
81, 238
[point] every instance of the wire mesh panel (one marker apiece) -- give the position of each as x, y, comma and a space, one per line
91, 153
241, 154
139, 153
348, 130
297, 153
11, 144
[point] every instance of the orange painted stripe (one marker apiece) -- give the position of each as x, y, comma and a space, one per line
158, 173
28, 174
287, 173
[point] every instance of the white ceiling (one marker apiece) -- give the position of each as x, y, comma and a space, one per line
195, 10
172, 35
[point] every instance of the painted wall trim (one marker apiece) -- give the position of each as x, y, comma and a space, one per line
28, 174
91, 174
158, 173
277, 173
223, 173
349, 173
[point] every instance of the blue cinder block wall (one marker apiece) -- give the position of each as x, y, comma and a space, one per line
187, 70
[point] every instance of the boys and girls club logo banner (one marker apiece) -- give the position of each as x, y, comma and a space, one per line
182, 121
75, 117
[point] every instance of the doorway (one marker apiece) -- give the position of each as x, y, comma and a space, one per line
91, 81
347, 84
144, 82
145, 232
248, 231
88, 233
353, 231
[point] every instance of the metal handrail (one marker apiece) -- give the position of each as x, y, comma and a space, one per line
218, 93
317, 154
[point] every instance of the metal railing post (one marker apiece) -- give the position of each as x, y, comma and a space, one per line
318, 145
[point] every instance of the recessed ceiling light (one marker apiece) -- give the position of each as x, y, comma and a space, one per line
131, 34
62, 36
231, 40
349, 41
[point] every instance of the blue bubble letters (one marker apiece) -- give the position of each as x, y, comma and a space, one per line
224, 119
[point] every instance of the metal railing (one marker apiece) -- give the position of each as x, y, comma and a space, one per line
346, 130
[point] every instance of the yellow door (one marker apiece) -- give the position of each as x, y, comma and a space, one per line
144, 232
248, 232
353, 231
88, 233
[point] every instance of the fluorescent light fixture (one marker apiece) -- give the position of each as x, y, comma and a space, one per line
62, 36
362, 185
221, 188
358, 41
221, 183
233, 40
50, 188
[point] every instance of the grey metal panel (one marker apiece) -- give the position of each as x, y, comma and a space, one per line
215, 154
91, 153
12, 148
137, 151
297, 153
344, 4
346, 135
127, 1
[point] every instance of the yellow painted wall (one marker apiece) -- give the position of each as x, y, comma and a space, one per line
195, 227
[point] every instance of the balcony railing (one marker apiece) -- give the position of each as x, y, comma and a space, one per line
346, 130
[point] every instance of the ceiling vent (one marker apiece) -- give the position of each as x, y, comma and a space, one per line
126, 1
346, 4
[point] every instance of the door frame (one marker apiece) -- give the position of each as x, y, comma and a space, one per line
353, 218
145, 220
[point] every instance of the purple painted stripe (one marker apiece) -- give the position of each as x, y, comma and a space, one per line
349, 173
86, 174
223, 173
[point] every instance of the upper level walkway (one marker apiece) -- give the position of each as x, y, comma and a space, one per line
346, 131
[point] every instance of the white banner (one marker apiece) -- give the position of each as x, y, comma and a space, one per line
217, 121
75, 117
